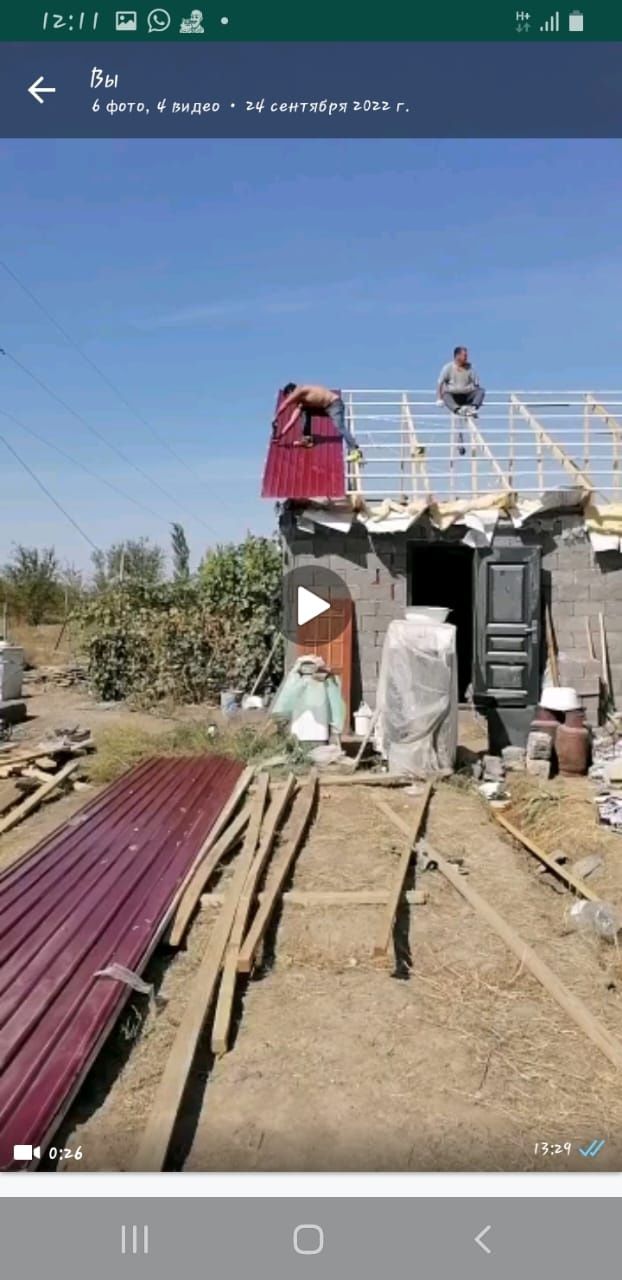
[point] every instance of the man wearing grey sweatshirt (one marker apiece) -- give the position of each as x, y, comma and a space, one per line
458, 385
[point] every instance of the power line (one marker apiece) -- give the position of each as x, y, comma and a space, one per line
100, 436
47, 493
100, 372
87, 470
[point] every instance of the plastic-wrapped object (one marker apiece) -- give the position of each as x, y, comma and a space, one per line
417, 697
310, 698
599, 918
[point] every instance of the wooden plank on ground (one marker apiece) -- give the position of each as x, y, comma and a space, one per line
385, 933
301, 817
324, 898
157, 1135
579, 1013
33, 801
9, 793
570, 879
226, 995
365, 779
203, 871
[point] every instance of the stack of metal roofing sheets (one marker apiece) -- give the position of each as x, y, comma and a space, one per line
97, 891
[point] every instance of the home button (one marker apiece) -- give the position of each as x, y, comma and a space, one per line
308, 1239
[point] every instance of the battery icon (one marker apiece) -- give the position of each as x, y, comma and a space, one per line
575, 21
26, 1153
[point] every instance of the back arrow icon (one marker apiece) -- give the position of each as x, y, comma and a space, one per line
480, 1240
38, 87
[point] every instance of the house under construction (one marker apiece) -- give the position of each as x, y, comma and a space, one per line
512, 521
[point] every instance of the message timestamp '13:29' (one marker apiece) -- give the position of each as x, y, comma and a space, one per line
552, 1148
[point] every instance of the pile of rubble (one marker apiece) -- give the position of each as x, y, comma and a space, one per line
606, 770
67, 676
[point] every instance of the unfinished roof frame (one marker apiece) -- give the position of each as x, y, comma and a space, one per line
524, 442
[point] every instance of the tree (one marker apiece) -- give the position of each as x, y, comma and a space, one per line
243, 582
33, 581
181, 553
137, 560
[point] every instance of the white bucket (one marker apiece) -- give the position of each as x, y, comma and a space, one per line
560, 698
426, 613
362, 720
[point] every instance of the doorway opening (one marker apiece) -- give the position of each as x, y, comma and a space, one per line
442, 575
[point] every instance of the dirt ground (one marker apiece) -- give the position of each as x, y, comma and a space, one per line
340, 1062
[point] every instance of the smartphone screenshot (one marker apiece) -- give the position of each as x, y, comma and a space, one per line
310, 635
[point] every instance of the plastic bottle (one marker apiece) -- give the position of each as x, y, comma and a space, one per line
600, 918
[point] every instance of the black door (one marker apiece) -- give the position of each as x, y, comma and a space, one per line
507, 627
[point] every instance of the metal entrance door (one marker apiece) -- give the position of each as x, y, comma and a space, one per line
507, 627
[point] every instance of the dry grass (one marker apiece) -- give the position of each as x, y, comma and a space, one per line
121, 747
560, 815
40, 644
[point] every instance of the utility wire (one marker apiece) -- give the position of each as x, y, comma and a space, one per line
162, 441
47, 493
77, 463
100, 436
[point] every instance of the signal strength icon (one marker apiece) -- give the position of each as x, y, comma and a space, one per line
552, 23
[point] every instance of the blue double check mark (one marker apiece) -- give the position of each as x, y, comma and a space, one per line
593, 1149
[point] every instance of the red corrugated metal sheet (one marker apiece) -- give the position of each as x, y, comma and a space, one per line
96, 891
292, 472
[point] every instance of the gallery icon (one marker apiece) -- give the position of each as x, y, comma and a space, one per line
158, 20
192, 26
126, 20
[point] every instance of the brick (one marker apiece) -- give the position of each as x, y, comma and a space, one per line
587, 608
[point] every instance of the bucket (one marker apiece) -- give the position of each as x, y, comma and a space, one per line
426, 613
559, 698
362, 720
230, 701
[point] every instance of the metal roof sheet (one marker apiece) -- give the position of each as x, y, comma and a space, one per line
96, 891
292, 472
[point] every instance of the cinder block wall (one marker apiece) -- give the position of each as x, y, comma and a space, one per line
374, 571
578, 584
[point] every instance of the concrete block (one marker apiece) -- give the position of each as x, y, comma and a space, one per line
538, 768
586, 607
366, 608
571, 673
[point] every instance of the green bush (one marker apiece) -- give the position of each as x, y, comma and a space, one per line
188, 640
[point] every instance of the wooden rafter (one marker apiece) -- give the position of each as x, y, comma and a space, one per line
416, 449
543, 438
479, 439
613, 426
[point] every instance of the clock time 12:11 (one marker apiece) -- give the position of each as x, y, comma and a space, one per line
69, 21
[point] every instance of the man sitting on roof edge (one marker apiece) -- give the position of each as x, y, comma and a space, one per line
305, 402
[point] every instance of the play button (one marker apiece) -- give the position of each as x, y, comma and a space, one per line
316, 607
309, 606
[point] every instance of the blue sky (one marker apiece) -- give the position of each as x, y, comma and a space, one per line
202, 275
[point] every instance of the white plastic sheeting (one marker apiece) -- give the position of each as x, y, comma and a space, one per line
417, 697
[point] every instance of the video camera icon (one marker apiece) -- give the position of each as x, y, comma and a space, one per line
23, 1153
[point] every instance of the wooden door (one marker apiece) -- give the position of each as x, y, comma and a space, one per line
330, 637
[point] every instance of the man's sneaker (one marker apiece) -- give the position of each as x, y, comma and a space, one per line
470, 411
461, 411
355, 455
305, 443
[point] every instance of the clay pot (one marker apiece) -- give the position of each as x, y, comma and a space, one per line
572, 746
546, 721
575, 719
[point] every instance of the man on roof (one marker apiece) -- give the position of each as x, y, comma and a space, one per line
305, 403
458, 385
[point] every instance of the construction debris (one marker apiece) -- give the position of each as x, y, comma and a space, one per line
539, 768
